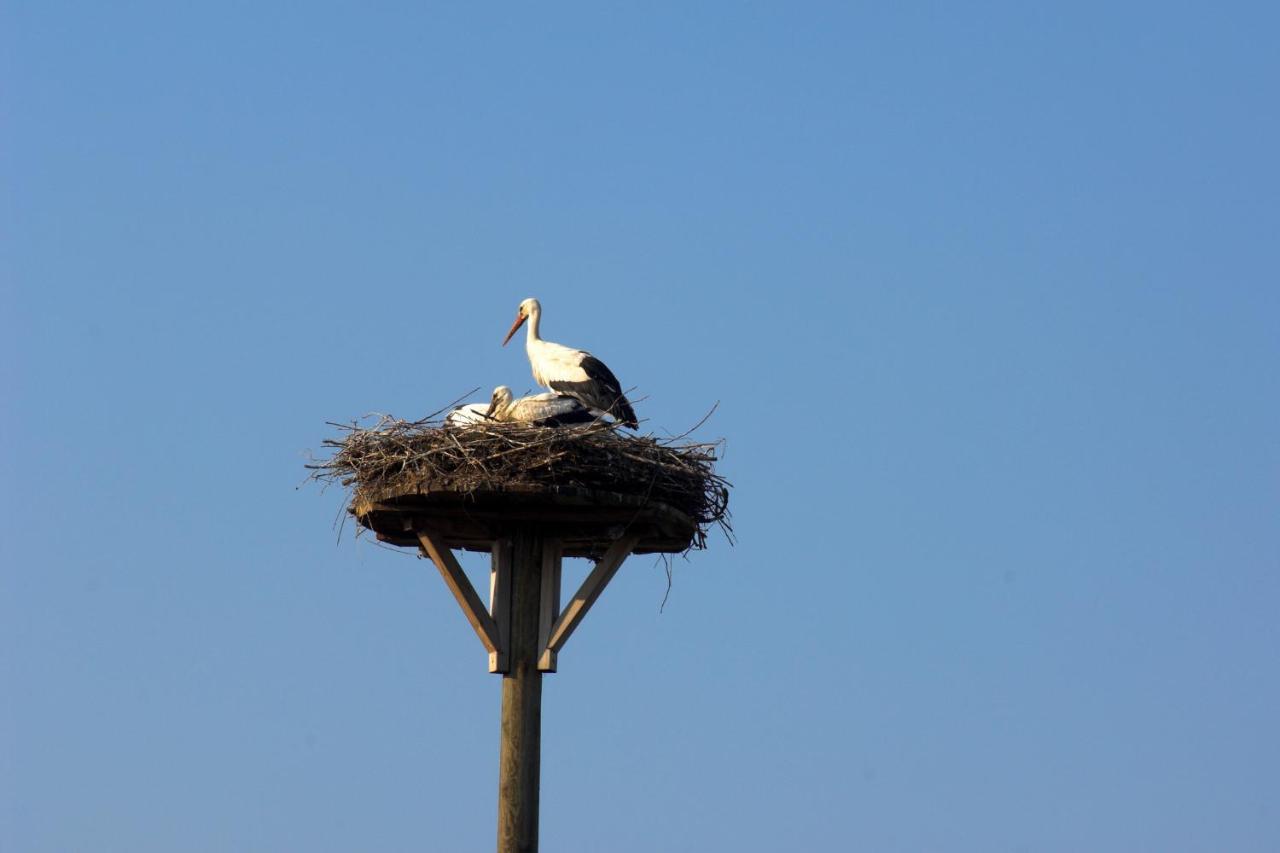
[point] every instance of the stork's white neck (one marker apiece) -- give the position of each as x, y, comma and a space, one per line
535, 320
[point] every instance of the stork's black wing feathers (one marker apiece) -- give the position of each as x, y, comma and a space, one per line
600, 372
603, 391
573, 416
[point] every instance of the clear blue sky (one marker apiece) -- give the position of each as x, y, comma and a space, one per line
988, 295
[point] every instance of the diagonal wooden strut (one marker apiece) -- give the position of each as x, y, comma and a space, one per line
583, 599
493, 624
458, 583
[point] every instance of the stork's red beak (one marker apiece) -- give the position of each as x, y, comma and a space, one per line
514, 326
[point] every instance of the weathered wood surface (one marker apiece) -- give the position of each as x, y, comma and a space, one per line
500, 603
577, 608
585, 523
520, 754
523, 630
549, 611
472, 607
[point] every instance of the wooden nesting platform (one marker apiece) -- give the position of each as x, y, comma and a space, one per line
586, 523
529, 496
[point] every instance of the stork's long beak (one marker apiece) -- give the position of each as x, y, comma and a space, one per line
514, 326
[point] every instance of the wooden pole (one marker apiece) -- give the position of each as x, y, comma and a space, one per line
520, 756
523, 631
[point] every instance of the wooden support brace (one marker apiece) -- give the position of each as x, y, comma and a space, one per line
587, 595
500, 604
458, 583
552, 557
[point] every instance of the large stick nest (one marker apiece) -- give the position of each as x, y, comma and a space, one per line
425, 456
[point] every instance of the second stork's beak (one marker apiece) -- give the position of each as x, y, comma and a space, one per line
514, 326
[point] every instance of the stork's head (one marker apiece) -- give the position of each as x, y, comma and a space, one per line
528, 308
499, 403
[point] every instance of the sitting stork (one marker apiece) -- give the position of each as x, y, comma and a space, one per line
540, 409
471, 413
571, 372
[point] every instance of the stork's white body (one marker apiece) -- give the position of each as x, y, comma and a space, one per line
571, 372
471, 413
547, 409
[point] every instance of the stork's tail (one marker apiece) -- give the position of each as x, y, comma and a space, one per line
626, 415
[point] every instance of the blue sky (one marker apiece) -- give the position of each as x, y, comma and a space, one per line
987, 295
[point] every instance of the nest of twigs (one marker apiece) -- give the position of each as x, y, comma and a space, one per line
425, 456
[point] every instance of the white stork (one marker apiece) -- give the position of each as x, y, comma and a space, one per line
571, 372
540, 409
471, 413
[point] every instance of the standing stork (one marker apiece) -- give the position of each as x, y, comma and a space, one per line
571, 372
